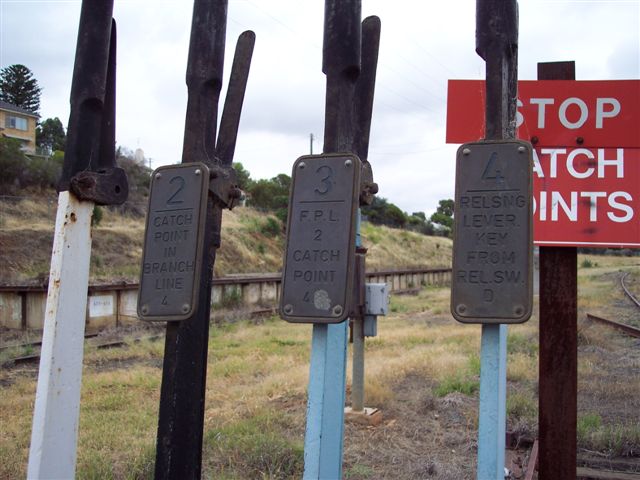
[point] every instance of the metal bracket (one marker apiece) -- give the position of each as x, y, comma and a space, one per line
368, 188
105, 187
223, 185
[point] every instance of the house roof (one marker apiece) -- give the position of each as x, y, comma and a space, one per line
12, 108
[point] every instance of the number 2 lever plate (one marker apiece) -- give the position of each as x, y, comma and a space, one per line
319, 261
173, 242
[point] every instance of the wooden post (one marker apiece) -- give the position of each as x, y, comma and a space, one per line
558, 357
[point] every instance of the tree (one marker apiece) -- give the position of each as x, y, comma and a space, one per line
12, 160
50, 135
243, 175
444, 216
383, 212
20, 88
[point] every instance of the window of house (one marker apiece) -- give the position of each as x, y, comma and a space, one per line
18, 123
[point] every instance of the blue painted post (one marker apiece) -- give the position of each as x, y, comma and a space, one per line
326, 398
325, 406
493, 395
497, 44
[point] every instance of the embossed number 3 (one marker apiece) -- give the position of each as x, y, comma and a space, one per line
326, 181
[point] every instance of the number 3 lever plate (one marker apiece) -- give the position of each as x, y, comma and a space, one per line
173, 242
319, 261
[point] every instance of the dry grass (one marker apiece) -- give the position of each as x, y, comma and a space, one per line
421, 371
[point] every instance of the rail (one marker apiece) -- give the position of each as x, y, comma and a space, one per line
627, 291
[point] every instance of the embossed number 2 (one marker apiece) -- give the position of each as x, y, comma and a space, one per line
173, 199
326, 181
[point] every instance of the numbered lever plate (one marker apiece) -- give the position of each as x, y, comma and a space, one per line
173, 242
493, 234
319, 259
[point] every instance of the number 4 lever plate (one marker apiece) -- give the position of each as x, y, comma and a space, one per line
173, 242
320, 255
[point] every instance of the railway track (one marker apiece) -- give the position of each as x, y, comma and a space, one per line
627, 291
101, 345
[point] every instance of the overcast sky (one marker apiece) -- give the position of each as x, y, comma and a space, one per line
423, 44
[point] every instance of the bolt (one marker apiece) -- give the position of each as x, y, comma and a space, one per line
185, 308
337, 310
466, 151
521, 149
534, 140
145, 309
461, 308
198, 171
288, 309
579, 140
348, 163
158, 176
301, 165
518, 310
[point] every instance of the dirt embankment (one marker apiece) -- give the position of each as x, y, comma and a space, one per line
252, 242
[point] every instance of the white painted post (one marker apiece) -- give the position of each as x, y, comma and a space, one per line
57, 408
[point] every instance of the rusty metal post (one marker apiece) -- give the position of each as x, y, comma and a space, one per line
558, 357
182, 398
365, 92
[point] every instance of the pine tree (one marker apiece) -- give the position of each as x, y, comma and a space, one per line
20, 88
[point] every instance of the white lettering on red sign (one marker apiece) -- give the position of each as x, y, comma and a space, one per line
573, 112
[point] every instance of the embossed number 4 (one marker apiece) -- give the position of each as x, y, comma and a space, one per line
492, 171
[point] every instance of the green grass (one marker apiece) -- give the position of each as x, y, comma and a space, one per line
457, 383
255, 447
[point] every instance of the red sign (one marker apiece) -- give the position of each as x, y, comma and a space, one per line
587, 191
586, 197
561, 113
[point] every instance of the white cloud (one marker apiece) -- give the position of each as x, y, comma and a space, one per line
422, 45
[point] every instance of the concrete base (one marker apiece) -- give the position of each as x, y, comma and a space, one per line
368, 416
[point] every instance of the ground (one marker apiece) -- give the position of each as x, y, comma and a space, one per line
422, 371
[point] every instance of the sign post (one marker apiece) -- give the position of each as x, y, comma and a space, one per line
89, 177
558, 357
493, 229
307, 296
182, 395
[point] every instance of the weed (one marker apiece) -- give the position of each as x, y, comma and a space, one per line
519, 343
358, 471
261, 248
474, 364
271, 227
522, 407
97, 215
588, 424
231, 298
457, 383
256, 447
586, 263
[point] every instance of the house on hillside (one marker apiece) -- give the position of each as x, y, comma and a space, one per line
18, 123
